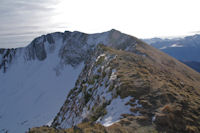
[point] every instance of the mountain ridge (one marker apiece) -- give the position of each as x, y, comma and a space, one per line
49, 65
148, 84
153, 93
36, 49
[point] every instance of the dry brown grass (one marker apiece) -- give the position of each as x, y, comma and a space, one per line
161, 83
80, 128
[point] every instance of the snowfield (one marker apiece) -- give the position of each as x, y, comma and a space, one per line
31, 92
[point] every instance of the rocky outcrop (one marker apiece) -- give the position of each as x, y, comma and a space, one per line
6, 57
74, 47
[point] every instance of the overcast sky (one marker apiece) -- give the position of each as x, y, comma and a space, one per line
23, 20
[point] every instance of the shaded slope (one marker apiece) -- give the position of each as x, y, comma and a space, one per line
163, 94
29, 80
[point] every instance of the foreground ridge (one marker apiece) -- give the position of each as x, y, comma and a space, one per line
141, 90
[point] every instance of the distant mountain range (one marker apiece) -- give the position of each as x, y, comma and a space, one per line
185, 49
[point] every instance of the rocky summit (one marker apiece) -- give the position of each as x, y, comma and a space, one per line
120, 85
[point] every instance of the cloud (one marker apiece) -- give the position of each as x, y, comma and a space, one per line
195, 32
11, 8
24, 17
141, 18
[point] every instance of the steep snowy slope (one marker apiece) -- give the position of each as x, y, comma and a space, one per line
35, 80
32, 90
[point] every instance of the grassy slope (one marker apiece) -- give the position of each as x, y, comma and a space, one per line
167, 89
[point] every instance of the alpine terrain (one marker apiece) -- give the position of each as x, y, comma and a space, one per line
185, 49
108, 82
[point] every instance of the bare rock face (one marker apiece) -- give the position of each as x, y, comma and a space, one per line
50, 39
6, 58
39, 50
36, 50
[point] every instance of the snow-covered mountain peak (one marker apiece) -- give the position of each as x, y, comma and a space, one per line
68, 45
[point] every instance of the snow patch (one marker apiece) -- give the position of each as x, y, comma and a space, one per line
176, 45
163, 47
114, 111
153, 118
102, 55
109, 121
49, 123
137, 104
113, 75
172, 46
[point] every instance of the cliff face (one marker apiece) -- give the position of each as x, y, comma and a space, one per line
71, 47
